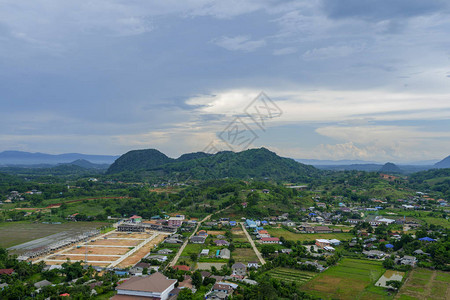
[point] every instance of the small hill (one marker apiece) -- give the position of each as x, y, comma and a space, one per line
139, 160
390, 168
253, 163
88, 165
445, 163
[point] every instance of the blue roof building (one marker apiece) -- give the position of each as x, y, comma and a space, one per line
233, 223
427, 239
250, 223
389, 246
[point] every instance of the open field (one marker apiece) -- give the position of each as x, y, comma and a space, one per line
215, 232
18, 233
425, 284
239, 235
289, 275
437, 221
281, 232
244, 255
138, 255
350, 279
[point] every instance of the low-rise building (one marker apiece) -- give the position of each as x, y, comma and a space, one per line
156, 286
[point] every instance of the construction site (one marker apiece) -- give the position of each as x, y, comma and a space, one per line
114, 249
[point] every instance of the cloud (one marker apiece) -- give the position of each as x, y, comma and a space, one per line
332, 52
378, 10
285, 51
239, 43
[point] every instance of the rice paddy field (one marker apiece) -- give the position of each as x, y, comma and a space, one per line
289, 275
425, 284
350, 279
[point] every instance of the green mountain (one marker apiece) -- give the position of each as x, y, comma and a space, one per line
390, 168
253, 163
139, 160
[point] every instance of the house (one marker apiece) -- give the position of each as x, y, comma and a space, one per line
160, 258
221, 243
6, 271
239, 269
318, 266
42, 283
252, 264
335, 242
225, 254
233, 223
322, 229
202, 233
244, 204
265, 191
182, 268
173, 241
198, 239
354, 221
250, 223
165, 251
322, 243
223, 287
156, 286
286, 251
328, 248
136, 219
408, 260
270, 240
204, 252
374, 254
175, 221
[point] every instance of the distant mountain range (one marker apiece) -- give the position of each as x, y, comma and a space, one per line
253, 163
28, 158
445, 163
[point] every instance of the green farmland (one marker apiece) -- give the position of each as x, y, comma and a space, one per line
350, 279
281, 232
425, 284
286, 274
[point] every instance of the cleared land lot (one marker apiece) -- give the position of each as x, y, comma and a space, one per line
289, 275
350, 279
17, 233
244, 255
239, 235
281, 232
425, 284
124, 250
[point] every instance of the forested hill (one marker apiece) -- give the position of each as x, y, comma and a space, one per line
253, 163
437, 180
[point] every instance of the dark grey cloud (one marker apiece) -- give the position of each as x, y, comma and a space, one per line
378, 10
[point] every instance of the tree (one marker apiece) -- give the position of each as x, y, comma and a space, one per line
197, 279
185, 294
193, 256
388, 263
394, 283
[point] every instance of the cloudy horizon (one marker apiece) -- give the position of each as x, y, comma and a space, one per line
360, 80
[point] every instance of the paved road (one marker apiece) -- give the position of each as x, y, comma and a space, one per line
258, 254
175, 259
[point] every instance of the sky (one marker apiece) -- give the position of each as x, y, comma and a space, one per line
340, 79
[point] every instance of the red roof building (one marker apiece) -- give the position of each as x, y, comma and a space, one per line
182, 267
6, 271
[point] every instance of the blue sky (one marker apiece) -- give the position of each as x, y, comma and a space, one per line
352, 79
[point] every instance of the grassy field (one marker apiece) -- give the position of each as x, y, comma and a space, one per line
15, 233
279, 232
350, 279
425, 284
286, 274
437, 221
244, 255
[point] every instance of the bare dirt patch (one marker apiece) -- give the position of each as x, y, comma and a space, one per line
109, 242
215, 232
99, 250
138, 255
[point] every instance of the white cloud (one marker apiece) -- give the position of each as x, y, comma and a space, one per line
239, 43
285, 51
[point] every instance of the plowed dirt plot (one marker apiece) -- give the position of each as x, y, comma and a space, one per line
215, 232
129, 235
82, 257
138, 255
108, 242
99, 250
